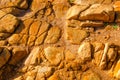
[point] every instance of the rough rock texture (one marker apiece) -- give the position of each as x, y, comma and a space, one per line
55, 40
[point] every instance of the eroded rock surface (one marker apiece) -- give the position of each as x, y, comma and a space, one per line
51, 40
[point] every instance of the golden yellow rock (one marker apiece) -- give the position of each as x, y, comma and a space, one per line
53, 35
54, 77
117, 70
116, 6
75, 36
75, 10
34, 28
54, 54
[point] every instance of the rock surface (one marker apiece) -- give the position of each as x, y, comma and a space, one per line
58, 40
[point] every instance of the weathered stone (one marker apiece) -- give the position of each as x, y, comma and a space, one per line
12, 23
14, 3
25, 26
23, 40
4, 56
18, 78
53, 35
45, 71
14, 39
103, 62
60, 9
2, 14
98, 57
44, 27
92, 2
69, 56
112, 54
40, 39
4, 36
54, 77
117, 70
116, 6
84, 51
37, 5
30, 75
98, 12
31, 40
18, 53
90, 75
75, 10
80, 24
3, 42
34, 28
75, 36
54, 54
92, 24
12, 10
34, 57
98, 46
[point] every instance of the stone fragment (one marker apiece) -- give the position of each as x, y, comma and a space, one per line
53, 35
43, 28
34, 28
4, 56
116, 6
12, 10
98, 12
14, 3
90, 75
75, 36
25, 26
75, 10
12, 23
44, 72
2, 14
14, 39
54, 54
40, 39
37, 5
23, 40
80, 24
98, 57
34, 57
78, 2
112, 54
98, 46
103, 62
117, 70
69, 56
84, 51
18, 54
54, 77
30, 75
31, 40
3, 36
3, 42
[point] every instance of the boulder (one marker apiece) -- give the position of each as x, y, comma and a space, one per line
85, 51
98, 12
75, 10
12, 23
54, 55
